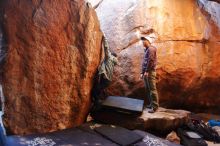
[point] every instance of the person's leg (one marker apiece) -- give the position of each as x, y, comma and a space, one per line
96, 91
147, 90
153, 89
104, 83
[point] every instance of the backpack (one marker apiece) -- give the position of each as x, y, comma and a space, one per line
190, 138
206, 131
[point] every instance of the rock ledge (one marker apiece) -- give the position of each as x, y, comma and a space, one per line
163, 121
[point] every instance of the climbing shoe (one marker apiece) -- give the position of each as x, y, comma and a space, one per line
152, 110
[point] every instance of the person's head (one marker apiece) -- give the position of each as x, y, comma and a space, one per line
114, 54
145, 41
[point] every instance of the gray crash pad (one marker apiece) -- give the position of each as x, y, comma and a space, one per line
123, 104
119, 135
152, 140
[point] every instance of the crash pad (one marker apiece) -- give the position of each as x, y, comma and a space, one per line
70, 137
123, 104
86, 134
152, 140
118, 135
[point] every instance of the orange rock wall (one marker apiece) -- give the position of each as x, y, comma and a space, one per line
188, 42
53, 53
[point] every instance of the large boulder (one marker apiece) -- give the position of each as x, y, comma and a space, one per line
163, 121
187, 37
53, 53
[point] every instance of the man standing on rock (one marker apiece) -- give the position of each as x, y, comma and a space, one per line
148, 73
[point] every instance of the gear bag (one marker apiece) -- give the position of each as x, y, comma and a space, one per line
206, 131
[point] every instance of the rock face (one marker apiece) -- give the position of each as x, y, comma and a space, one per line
53, 52
2, 48
188, 40
2, 58
162, 121
173, 137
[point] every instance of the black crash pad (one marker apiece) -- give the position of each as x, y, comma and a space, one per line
118, 135
123, 104
69, 137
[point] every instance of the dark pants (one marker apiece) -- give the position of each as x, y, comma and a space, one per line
150, 86
100, 83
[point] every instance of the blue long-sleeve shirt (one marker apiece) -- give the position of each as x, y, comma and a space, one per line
150, 59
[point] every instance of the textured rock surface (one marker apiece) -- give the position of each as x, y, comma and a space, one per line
2, 58
172, 137
53, 53
162, 121
188, 41
217, 1
2, 48
212, 10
